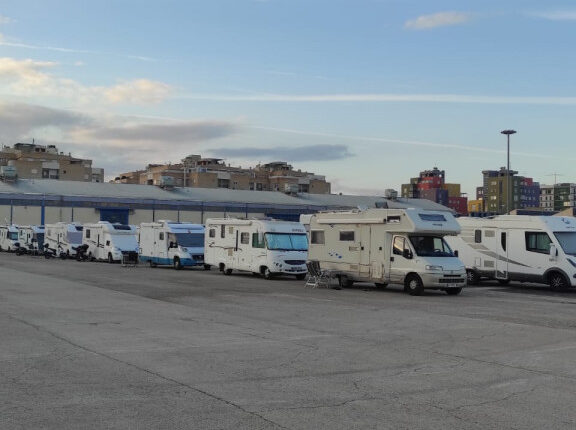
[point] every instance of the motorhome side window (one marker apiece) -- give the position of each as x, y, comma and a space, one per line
317, 237
161, 236
212, 232
245, 238
87, 234
503, 240
258, 241
347, 236
398, 246
222, 231
478, 236
538, 242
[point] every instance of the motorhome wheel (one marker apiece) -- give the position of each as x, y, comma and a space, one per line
151, 263
301, 276
345, 281
503, 281
557, 281
110, 259
453, 291
267, 273
472, 277
177, 264
227, 272
207, 267
381, 284
413, 285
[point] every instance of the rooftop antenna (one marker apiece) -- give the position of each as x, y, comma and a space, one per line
555, 177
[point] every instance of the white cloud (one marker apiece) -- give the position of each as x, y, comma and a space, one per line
440, 19
383, 98
34, 78
558, 15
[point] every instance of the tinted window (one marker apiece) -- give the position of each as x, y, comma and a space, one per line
317, 237
212, 232
244, 238
161, 236
256, 242
398, 247
88, 234
347, 236
503, 240
538, 242
432, 217
478, 236
222, 231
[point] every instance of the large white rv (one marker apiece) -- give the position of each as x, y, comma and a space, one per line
266, 247
399, 246
8, 238
523, 248
31, 237
64, 237
172, 243
110, 242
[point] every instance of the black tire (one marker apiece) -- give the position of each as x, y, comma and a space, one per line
301, 276
557, 281
503, 281
177, 264
381, 284
110, 259
472, 277
453, 291
91, 257
151, 263
413, 285
267, 273
227, 272
344, 281
207, 267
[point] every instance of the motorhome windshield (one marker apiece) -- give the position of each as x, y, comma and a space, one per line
567, 241
188, 240
13, 235
431, 246
74, 237
40, 238
287, 242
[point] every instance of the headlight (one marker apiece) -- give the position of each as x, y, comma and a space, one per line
571, 262
434, 268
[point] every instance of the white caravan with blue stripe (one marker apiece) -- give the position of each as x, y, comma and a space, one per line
172, 243
540, 249
64, 237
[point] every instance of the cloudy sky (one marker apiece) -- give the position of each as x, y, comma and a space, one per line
366, 92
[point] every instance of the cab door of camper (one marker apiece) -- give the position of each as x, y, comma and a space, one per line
502, 237
400, 259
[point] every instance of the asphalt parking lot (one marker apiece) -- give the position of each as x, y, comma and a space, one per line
93, 345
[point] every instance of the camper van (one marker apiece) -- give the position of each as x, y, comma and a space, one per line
266, 247
64, 237
31, 238
540, 249
110, 242
399, 246
172, 243
8, 238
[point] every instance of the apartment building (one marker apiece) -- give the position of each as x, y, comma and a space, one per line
33, 161
524, 192
431, 185
557, 197
198, 172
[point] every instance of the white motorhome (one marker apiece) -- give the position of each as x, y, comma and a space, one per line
64, 237
8, 238
110, 242
31, 237
540, 249
266, 247
172, 243
400, 246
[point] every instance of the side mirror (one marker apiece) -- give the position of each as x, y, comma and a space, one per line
407, 254
456, 253
553, 251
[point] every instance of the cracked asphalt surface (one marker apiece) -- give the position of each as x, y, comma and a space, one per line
92, 346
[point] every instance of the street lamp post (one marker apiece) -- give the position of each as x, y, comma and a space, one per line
508, 190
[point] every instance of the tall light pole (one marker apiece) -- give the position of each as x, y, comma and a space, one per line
508, 191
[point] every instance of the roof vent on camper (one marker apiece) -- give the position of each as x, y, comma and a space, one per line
391, 194
166, 182
8, 174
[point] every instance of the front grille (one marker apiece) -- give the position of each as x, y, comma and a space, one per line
295, 262
452, 280
452, 276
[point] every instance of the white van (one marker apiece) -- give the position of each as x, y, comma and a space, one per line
172, 243
64, 237
8, 238
110, 242
31, 237
400, 246
540, 249
266, 247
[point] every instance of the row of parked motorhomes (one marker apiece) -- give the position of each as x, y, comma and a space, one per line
412, 247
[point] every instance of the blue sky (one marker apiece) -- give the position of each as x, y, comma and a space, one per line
366, 92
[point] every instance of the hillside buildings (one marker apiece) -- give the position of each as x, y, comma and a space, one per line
431, 185
33, 161
197, 172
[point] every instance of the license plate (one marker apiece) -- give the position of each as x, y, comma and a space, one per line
452, 285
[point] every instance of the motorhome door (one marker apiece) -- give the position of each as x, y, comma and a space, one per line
502, 261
